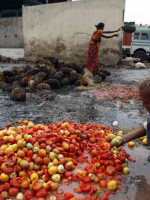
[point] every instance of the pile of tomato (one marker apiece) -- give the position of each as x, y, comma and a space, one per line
36, 159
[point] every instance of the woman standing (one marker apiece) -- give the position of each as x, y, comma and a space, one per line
92, 63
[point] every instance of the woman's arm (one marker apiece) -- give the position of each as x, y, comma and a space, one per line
108, 32
107, 37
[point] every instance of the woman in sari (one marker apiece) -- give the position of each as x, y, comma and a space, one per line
92, 63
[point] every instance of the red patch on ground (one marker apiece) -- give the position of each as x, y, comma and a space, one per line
123, 93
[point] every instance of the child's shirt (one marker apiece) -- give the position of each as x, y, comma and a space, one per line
147, 127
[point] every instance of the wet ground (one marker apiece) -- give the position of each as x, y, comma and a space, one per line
82, 107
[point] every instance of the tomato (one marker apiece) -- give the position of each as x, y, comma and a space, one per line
28, 194
43, 146
30, 154
41, 194
103, 184
87, 180
6, 187
68, 195
1, 197
1, 188
118, 162
37, 185
46, 160
119, 168
42, 153
13, 191
21, 154
38, 161
102, 176
25, 184
86, 188
110, 170
9, 170
77, 190
1, 160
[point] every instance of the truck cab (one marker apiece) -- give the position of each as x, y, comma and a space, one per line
137, 44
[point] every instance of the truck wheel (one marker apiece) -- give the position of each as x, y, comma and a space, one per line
129, 29
141, 55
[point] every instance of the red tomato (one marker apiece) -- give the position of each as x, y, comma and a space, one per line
8, 170
86, 188
41, 194
110, 170
1, 160
102, 176
13, 191
1, 188
77, 190
6, 186
28, 194
30, 154
68, 195
87, 180
38, 161
46, 160
43, 146
119, 168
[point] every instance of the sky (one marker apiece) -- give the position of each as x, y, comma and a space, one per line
138, 11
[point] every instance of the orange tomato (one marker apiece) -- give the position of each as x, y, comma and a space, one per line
42, 153
103, 184
21, 154
25, 184
22, 174
25, 150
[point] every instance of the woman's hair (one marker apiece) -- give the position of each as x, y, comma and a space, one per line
144, 84
100, 25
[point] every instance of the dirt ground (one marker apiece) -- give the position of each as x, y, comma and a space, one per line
83, 107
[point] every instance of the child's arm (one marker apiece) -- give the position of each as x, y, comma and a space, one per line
139, 132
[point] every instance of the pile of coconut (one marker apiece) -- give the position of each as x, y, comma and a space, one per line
46, 75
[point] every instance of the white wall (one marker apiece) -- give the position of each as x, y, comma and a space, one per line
11, 32
64, 29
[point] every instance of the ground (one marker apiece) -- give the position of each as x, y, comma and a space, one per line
83, 107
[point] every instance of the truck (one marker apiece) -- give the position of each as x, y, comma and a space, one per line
137, 44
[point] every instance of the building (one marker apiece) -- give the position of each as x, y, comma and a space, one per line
13, 8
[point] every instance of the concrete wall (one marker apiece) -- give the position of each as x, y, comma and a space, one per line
64, 29
11, 32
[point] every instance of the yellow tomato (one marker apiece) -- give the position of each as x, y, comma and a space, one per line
34, 176
4, 177
3, 166
18, 137
8, 150
30, 125
10, 132
67, 133
3, 147
55, 162
126, 170
131, 144
112, 185
120, 132
5, 138
145, 141
80, 172
111, 136
52, 170
21, 143
14, 147
64, 125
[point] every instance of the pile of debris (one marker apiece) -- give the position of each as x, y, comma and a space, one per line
4, 59
47, 74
